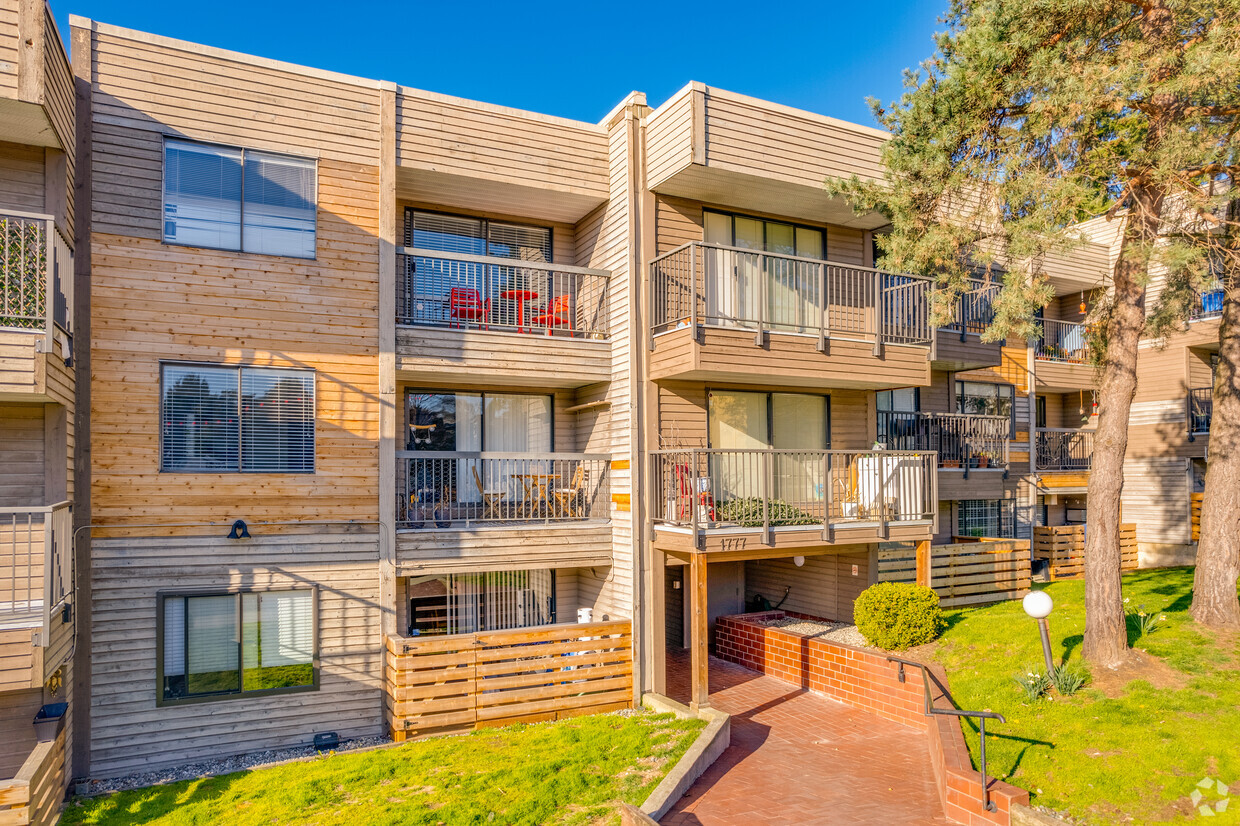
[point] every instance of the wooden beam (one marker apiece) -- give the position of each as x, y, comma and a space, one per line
699, 694
923, 563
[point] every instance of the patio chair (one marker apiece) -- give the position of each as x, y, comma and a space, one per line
570, 497
491, 497
558, 313
465, 304
686, 497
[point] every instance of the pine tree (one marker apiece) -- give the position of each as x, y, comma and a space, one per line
1031, 116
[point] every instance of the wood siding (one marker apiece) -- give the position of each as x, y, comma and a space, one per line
503, 548
1157, 498
824, 587
130, 733
518, 359
21, 176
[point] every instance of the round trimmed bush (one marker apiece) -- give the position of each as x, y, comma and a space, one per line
896, 616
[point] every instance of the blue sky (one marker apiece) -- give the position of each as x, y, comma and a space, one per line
575, 59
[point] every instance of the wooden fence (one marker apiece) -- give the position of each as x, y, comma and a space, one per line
35, 793
1063, 546
965, 573
1195, 499
440, 684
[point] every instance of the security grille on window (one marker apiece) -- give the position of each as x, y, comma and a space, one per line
216, 645
237, 419
223, 197
992, 518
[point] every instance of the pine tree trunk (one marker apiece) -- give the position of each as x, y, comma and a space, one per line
1218, 550
1106, 637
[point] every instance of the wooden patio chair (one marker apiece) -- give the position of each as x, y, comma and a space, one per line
570, 497
491, 497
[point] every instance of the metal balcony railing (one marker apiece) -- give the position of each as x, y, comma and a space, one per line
479, 292
1064, 448
708, 489
709, 284
36, 564
444, 489
962, 440
36, 274
1208, 304
1200, 409
1063, 341
975, 309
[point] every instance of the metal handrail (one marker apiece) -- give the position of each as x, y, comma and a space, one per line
1063, 341
955, 711
974, 310
963, 438
499, 261
1064, 448
1200, 411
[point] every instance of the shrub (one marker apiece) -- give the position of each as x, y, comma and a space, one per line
748, 513
896, 616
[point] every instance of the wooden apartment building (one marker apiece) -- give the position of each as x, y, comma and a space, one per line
400, 402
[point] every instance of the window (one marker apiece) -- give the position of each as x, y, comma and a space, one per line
222, 197
984, 399
1040, 412
493, 601
898, 423
790, 421
771, 236
992, 518
471, 422
476, 236
233, 418
217, 645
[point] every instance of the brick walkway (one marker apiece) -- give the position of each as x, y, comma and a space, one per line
797, 758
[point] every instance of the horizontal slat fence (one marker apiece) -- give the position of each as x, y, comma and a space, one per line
1063, 546
1195, 499
34, 794
466, 681
964, 573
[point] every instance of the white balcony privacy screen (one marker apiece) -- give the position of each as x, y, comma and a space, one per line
235, 199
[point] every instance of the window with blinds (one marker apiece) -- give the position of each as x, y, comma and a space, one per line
215, 645
474, 602
476, 236
238, 199
990, 518
236, 419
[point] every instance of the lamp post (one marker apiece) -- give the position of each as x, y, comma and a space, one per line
1038, 604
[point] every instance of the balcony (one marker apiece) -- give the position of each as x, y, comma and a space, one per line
36, 307
479, 511
712, 499
961, 440
527, 322
36, 82
1064, 455
1208, 304
1200, 410
36, 592
1062, 356
731, 314
958, 345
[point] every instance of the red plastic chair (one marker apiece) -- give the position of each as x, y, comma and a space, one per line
465, 304
685, 498
559, 313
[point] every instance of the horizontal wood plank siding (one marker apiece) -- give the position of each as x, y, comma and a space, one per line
824, 587
502, 548
130, 733
669, 138
21, 177
21, 455
454, 355
1157, 498
9, 38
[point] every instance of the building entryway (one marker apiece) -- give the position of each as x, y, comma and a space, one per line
799, 758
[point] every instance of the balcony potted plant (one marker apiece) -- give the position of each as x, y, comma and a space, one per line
49, 721
952, 463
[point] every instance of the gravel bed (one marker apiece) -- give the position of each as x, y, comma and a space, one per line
225, 765
841, 632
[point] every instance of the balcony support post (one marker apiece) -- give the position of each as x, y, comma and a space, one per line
924, 563
828, 496
823, 333
49, 285
699, 692
759, 337
693, 292
882, 494
878, 314
767, 535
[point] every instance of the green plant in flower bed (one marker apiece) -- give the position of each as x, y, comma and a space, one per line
748, 513
896, 616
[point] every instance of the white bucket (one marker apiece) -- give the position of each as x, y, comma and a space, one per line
585, 615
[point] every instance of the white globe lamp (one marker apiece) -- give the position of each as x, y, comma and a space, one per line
1038, 604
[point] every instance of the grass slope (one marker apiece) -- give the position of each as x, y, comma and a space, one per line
570, 772
1129, 748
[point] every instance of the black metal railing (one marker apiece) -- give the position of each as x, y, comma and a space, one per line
975, 309
479, 292
1200, 409
1208, 304
955, 711
962, 440
1063, 341
444, 489
1064, 448
709, 284
761, 488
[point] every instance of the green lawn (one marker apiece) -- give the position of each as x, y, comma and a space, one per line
1129, 748
570, 772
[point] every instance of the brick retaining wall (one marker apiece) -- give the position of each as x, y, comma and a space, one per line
865, 680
